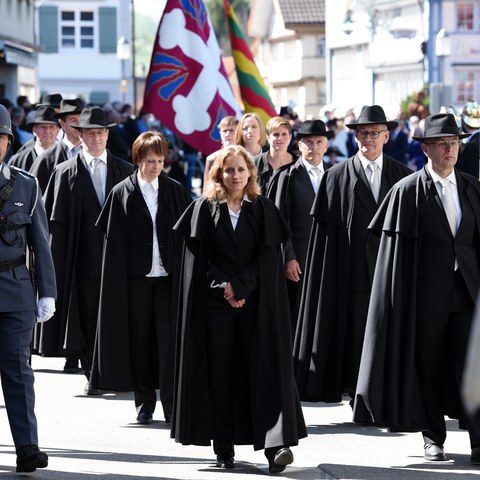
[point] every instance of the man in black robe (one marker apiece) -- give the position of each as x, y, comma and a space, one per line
45, 129
73, 200
68, 148
423, 296
297, 185
340, 263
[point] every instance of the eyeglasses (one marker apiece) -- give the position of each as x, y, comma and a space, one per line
445, 145
373, 134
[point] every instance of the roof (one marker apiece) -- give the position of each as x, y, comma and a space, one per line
302, 12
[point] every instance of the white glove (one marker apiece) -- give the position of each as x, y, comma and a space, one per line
45, 309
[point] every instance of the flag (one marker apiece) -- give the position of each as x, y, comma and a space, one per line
187, 87
254, 93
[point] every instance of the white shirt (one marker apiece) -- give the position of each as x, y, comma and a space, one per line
311, 173
70, 146
102, 166
452, 187
235, 216
366, 163
150, 194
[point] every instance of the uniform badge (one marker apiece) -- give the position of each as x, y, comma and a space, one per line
19, 204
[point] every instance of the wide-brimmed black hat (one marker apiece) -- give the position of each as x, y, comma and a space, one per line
441, 125
52, 100
311, 128
44, 114
70, 107
372, 115
93, 118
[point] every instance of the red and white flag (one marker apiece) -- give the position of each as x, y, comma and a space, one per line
187, 87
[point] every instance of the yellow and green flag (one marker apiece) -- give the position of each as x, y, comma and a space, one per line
254, 93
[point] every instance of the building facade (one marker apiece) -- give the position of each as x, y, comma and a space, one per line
18, 57
290, 52
85, 49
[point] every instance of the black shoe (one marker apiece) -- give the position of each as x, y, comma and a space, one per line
475, 457
71, 366
434, 453
283, 457
89, 391
144, 418
225, 461
168, 419
29, 458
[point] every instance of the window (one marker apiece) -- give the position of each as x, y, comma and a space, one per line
77, 29
321, 47
468, 16
467, 85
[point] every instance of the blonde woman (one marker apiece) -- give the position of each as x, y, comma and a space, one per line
235, 378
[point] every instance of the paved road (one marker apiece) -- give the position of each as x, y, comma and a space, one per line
97, 438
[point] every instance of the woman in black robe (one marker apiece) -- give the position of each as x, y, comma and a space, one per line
234, 378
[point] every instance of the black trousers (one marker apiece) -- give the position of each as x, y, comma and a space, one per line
440, 335
231, 346
88, 301
151, 341
355, 331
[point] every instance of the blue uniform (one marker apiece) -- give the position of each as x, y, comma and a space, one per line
23, 223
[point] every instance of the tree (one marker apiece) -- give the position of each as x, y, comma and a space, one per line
217, 15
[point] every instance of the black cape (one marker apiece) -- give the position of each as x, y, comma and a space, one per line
42, 167
277, 416
112, 364
388, 390
319, 346
61, 335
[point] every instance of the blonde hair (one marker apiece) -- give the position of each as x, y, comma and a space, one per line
277, 122
228, 121
216, 189
239, 131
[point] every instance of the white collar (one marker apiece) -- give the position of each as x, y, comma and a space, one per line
142, 183
366, 162
437, 178
89, 157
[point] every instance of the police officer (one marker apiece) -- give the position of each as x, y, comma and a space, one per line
23, 223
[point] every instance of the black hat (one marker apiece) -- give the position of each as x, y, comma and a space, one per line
372, 115
93, 118
44, 114
441, 125
311, 128
70, 107
52, 100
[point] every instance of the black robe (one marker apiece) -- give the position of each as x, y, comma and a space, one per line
65, 204
44, 164
277, 418
320, 339
24, 158
112, 364
388, 388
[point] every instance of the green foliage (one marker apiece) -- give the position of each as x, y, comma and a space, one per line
217, 14
412, 97
145, 32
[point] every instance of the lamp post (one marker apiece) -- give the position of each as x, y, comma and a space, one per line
123, 54
441, 93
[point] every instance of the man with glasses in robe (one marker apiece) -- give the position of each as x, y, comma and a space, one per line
340, 263
424, 290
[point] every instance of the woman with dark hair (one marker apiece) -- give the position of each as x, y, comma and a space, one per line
234, 379
135, 333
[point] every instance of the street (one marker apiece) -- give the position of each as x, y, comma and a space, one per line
97, 437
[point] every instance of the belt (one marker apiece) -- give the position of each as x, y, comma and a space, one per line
8, 265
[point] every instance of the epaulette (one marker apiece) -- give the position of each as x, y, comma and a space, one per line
22, 171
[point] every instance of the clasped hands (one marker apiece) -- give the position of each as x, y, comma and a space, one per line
229, 296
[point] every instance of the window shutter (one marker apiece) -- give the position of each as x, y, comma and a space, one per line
107, 26
48, 25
